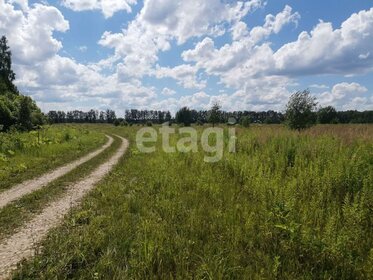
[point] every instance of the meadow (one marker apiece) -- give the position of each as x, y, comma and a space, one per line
286, 205
24, 155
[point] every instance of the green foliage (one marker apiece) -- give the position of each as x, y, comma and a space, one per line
184, 116
300, 110
327, 115
7, 75
8, 112
110, 116
214, 115
17, 111
120, 122
20, 112
25, 113
117, 122
285, 206
245, 121
37, 118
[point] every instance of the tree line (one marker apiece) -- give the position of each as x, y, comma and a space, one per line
76, 116
215, 115
186, 116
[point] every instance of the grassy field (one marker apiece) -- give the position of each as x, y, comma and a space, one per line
286, 205
27, 155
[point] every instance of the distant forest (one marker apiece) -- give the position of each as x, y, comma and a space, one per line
133, 116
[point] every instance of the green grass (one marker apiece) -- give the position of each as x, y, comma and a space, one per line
285, 206
27, 155
17, 213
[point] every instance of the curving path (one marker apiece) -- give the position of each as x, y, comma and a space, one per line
32, 185
23, 243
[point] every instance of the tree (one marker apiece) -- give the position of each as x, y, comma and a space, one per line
245, 121
184, 116
92, 116
117, 122
7, 75
168, 116
38, 118
300, 110
15, 109
327, 115
110, 116
8, 113
214, 114
25, 113
102, 117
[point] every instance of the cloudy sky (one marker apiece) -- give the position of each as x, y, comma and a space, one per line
164, 54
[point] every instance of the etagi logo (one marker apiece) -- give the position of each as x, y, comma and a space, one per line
212, 141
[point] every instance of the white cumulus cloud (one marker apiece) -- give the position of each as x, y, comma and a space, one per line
326, 50
107, 7
347, 96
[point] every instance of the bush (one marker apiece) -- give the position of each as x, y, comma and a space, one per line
245, 121
116, 122
149, 123
123, 123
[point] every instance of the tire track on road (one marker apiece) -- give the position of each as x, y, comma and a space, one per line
32, 185
23, 243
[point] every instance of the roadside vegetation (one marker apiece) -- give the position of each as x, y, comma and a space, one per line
25, 155
19, 212
287, 205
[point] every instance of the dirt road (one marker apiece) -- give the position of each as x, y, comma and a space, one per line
23, 243
30, 186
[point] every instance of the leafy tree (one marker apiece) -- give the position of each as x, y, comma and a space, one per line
327, 115
245, 121
168, 116
102, 117
117, 122
92, 116
300, 110
38, 118
214, 114
16, 110
8, 113
110, 116
25, 111
184, 116
7, 75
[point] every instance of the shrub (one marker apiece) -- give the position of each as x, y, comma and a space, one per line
124, 123
245, 121
117, 122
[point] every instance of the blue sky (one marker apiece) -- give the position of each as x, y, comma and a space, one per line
165, 54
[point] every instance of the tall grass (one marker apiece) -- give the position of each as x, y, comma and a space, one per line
287, 205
